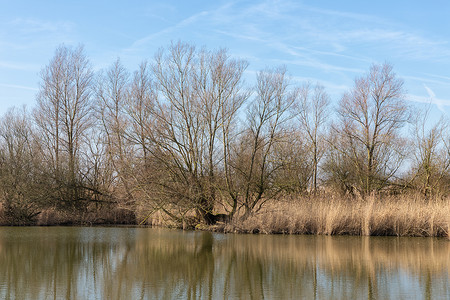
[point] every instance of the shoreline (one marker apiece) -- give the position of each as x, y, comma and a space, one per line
385, 216
220, 228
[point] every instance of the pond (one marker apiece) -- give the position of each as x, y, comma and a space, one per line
149, 263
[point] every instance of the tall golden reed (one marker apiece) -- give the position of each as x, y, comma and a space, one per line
332, 215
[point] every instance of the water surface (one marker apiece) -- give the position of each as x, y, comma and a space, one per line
145, 263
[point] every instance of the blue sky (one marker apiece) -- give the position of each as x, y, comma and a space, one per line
331, 42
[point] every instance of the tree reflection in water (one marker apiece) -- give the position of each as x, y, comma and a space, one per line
144, 263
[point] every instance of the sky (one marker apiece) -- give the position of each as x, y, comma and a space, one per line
329, 42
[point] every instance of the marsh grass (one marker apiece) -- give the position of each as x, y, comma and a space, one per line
323, 215
372, 216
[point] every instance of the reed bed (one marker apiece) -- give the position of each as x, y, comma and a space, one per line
322, 215
372, 216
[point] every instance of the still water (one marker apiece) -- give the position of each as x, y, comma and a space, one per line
145, 263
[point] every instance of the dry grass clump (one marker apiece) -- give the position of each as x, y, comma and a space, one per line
409, 216
301, 216
393, 216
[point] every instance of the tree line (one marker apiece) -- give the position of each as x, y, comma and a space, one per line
184, 134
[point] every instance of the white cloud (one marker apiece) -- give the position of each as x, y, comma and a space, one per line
33, 26
21, 87
441, 104
346, 15
18, 65
430, 92
142, 42
343, 31
446, 78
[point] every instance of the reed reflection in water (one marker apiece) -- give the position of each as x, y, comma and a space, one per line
145, 263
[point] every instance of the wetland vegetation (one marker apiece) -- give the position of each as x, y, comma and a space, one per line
185, 141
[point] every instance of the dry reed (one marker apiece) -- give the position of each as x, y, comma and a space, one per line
372, 216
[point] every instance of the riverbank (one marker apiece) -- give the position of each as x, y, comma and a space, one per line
389, 216
323, 215
57, 217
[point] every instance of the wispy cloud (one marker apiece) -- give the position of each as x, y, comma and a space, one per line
33, 26
446, 78
428, 78
430, 92
319, 65
332, 87
345, 15
29, 34
239, 36
305, 35
341, 31
319, 35
18, 65
158, 10
20, 87
440, 103
139, 44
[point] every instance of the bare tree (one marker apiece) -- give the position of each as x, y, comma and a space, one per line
21, 192
340, 174
96, 170
177, 136
431, 162
139, 107
200, 98
220, 90
370, 116
312, 113
48, 112
111, 92
295, 164
63, 114
267, 116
